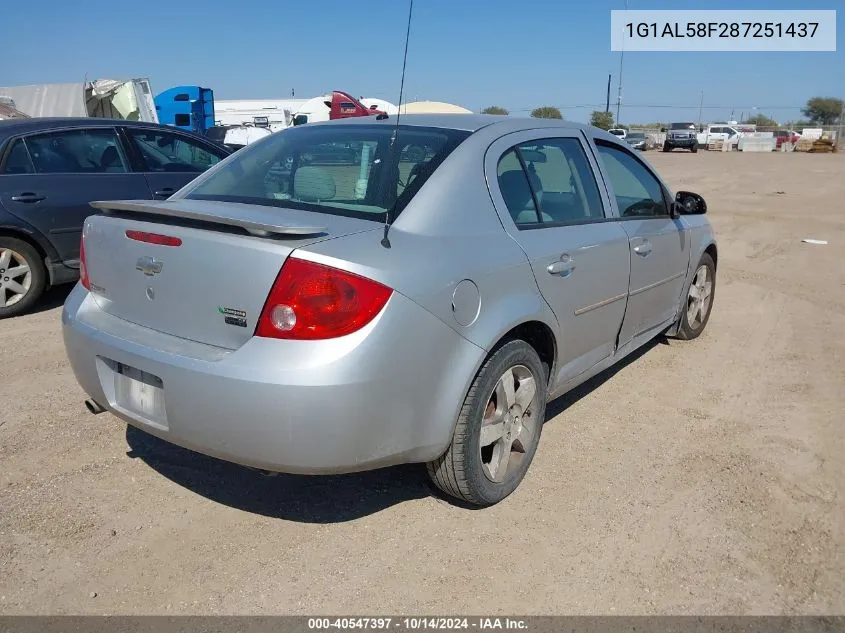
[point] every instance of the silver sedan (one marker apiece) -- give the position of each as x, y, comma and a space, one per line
355, 294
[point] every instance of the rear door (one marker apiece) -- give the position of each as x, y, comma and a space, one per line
49, 178
168, 159
544, 188
660, 244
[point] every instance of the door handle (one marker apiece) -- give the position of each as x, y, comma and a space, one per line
165, 193
28, 197
563, 267
643, 249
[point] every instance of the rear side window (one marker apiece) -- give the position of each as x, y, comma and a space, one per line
77, 152
549, 182
168, 152
17, 160
354, 170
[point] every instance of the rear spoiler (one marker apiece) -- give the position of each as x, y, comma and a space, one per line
255, 219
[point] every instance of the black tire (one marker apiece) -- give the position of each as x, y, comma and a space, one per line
693, 149
37, 283
686, 330
667, 148
460, 471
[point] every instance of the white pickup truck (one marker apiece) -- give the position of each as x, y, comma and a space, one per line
719, 132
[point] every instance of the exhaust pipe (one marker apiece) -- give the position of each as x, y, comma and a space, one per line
93, 407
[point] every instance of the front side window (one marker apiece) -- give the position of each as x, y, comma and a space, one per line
354, 170
18, 161
168, 152
77, 152
549, 182
638, 193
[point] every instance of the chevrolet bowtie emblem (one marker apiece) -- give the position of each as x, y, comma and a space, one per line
149, 265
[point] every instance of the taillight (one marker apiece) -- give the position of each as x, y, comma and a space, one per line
83, 265
153, 238
312, 301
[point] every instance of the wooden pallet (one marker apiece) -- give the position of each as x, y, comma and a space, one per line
822, 146
715, 146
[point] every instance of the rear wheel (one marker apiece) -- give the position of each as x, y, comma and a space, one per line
22, 277
666, 147
498, 429
699, 303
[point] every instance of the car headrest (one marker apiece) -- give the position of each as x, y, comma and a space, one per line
313, 184
110, 157
515, 190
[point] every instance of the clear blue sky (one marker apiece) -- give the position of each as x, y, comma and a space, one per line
519, 54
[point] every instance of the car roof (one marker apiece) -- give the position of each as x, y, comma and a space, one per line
465, 122
9, 127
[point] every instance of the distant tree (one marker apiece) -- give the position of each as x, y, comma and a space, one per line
823, 110
760, 120
494, 110
546, 112
799, 125
647, 126
603, 120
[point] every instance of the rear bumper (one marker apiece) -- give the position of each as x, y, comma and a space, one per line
387, 394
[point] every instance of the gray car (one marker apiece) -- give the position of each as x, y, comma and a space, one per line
419, 304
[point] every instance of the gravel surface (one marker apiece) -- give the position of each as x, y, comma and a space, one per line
703, 477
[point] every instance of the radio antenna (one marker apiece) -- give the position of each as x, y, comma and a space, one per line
388, 216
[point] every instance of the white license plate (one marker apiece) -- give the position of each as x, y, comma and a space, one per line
140, 392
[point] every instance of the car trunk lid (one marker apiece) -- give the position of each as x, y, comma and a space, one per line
199, 270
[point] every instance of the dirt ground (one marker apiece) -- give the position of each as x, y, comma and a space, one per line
704, 477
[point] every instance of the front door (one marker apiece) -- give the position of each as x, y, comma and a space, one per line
659, 244
49, 179
549, 201
170, 160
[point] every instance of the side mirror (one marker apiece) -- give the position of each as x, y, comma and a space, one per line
689, 203
663, 129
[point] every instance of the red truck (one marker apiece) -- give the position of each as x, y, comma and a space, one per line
339, 105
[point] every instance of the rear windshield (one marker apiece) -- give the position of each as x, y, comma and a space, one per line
353, 170
636, 135
682, 126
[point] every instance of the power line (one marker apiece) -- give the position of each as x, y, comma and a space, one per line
599, 106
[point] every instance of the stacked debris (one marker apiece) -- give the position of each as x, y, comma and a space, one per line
823, 145
8, 110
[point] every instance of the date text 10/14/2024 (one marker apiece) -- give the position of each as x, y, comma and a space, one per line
417, 623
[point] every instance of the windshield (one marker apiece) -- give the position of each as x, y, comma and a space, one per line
617, 132
636, 135
346, 169
682, 126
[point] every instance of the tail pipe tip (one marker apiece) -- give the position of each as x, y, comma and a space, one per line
94, 407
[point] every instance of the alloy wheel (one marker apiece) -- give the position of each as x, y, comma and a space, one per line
509, 426
15, 277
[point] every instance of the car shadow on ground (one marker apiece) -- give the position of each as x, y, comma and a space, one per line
561, 404
314, 499
53, 298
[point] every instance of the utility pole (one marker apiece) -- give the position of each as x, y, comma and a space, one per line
700, 108
621, 59
619, 91
839, 131
607, 107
